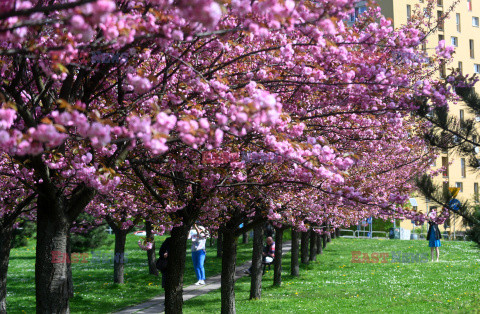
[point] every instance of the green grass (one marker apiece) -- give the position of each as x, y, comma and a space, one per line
93, 281
335, 285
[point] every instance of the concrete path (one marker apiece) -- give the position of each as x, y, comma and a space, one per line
156, 305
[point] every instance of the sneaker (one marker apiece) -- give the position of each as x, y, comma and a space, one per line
198, 283
202, 282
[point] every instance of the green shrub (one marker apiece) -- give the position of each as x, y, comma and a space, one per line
26, 231
93, 238
473, 233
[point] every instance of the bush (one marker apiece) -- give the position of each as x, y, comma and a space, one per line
94, 237
473, 233
25, 231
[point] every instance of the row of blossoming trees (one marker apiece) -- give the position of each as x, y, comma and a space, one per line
130, 109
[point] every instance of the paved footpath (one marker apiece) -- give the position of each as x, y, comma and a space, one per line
156, 305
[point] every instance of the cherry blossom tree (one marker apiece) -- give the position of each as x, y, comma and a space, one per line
98, 92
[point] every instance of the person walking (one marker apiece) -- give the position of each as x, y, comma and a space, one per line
433, 235
162, 261
199, 239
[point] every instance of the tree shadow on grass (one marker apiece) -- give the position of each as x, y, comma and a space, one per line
25, 258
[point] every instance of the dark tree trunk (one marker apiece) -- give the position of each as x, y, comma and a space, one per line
175, 270
277, 262
334, 233
118, 260
337, 232
295, 269
69, 268
245, 237
319, 244
6, 235
51, 273
313, 245
256, 269
329, 237
304, 247
228, 272
324, 239
152, 268
219, 244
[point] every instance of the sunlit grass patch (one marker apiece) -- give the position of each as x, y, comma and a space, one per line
94, 290
334, 284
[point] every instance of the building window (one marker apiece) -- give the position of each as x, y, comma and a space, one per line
441, 37
440, 3
424, 46
459, 185
457, 21
409, 11
472, 50
454, 41
358, 11
474, 138
476, 68
434, 162
462, 168
443, 69
462, 118
440, 20
460, 66
445, 187
475, 21
475, 192
469, 5
445, 166
426, 13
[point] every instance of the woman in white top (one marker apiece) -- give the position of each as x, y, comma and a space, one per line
199, 239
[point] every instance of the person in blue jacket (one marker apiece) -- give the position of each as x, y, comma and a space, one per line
433, 235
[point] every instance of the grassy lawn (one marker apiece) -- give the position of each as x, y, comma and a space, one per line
93, 281
333, 284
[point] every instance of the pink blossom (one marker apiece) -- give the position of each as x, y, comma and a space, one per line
7, 117
140, 84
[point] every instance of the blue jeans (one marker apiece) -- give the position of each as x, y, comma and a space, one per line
198, 258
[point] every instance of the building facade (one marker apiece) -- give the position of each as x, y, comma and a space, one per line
460, 29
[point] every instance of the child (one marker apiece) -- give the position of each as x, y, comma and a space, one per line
433, 235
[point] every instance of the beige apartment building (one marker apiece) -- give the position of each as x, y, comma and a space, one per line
461, 29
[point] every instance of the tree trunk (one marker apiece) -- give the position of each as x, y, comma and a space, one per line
324, 239
6, 235
69, 268
175, 270
277, 261
219, 244
51, 275
337, 232
334, 233
256, 269
152, 268
295, 269
319, 244
228, 272
118, 261
245, 237
313, 245
304, 247
329, 236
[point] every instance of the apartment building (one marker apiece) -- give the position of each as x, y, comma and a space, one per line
461, 29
